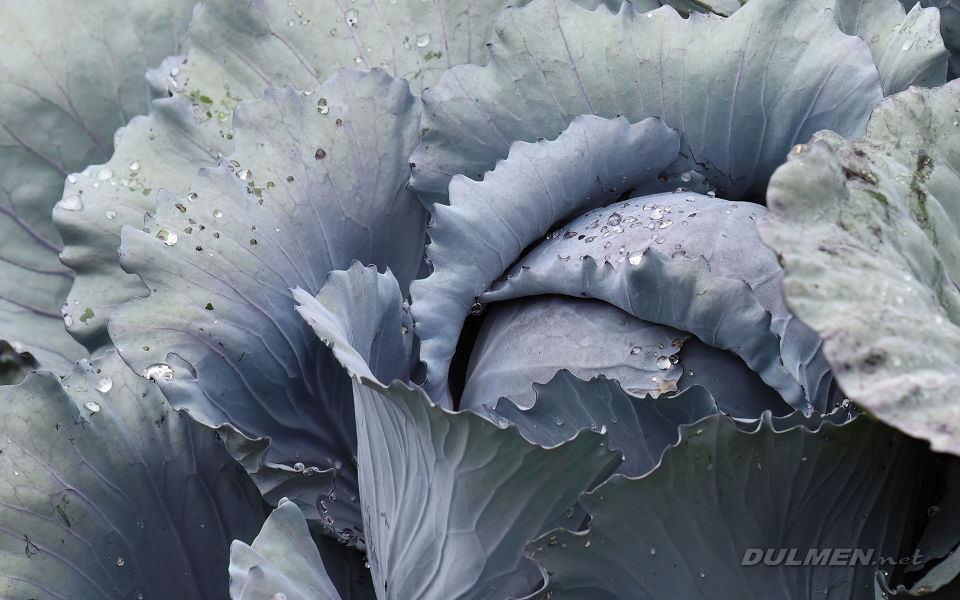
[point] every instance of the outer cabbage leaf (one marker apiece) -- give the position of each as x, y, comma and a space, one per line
949, 28
448, 498
907, 48
282, 560
528, 340
296, 200
238, 49
70, 74
721, 491
742, 89
868, 233
106, 492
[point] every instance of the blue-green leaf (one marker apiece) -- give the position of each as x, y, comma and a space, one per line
294, 201
238, 49
868, 234
70, 74
105, 492
742, 89
639, 427
692, 527
449, 499
282, 560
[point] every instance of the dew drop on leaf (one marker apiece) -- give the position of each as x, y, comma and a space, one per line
167, 237
71, 202
158, 372
104, 385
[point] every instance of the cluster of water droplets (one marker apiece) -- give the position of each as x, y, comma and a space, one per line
600, 229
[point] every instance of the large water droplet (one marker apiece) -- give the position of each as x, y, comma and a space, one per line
71, 202
167, 237
92, 406
636, 350
352, 17
217, 213
158, 372
635, 257
120, 561
104, 385
135, 165
663, 362
423, 40
243, 174
656, 214
299, 466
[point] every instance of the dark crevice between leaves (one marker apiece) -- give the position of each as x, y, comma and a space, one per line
14, 365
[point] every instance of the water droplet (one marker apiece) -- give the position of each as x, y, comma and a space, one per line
322, 107
92, 406
636, 350
476, 309
104, 385
659, 239
352, 17
663, 362
110, 214
702, 574
217, 213
192, 196
423, 40
686, 176
158, 371
243, 174
635, 257
104, 174
666, 223
299, 466
16, 473
321, 154
907, 45
71, 202
653, 550
558, 421
656, 214
167, 237
120, 561
135, 165
711, 194
72, 178
67, 321
614, 219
